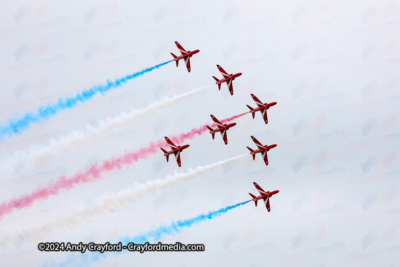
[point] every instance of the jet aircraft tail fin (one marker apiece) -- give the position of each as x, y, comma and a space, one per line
175, 57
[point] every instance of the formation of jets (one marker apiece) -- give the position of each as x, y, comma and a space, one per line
223, 128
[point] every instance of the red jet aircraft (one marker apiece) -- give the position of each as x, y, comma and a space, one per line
228, 78
261, 149
186, 55
220, 128
176, 150
263, 195
261, 107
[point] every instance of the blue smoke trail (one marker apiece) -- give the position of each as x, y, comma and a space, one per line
176, 226
15, 126
152, 235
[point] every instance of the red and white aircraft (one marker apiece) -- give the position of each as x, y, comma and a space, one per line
228, 78
261, 149
176, 150
186, 55
261, 107
220, 128
264, 195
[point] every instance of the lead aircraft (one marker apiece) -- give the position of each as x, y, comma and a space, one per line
220, 128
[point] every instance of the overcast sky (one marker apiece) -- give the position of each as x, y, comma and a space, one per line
332, 66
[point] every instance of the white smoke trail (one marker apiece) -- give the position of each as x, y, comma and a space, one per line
77, 138
109, 203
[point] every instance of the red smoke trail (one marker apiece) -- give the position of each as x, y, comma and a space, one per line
189, 135
94, 172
